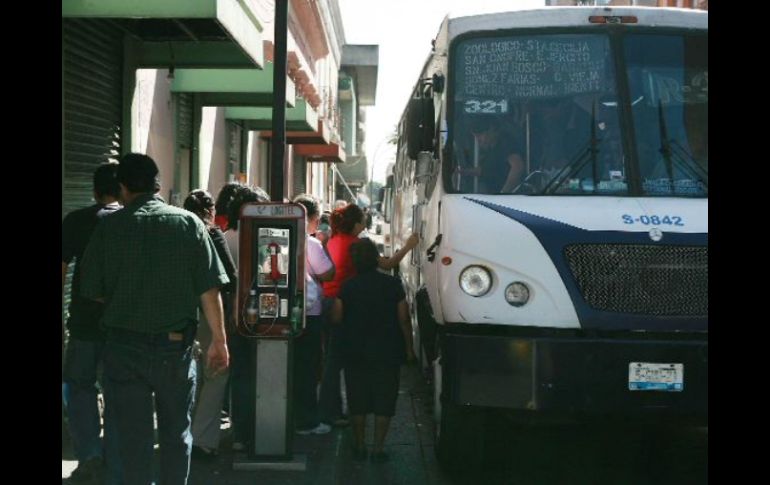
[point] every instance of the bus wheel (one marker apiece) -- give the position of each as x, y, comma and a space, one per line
460, 438
427, 329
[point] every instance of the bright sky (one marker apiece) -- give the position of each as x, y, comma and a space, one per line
404, 30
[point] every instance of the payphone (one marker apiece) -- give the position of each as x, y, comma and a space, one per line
271, 270
271, 298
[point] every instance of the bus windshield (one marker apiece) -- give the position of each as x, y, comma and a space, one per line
539, 115
669, 75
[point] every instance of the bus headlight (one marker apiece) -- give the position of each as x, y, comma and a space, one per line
475, 280
517, 294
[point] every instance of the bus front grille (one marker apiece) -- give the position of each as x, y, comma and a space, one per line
642, 279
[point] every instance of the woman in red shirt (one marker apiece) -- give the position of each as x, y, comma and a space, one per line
347, 222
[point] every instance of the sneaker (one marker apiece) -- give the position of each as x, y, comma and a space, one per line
341, 422
89, 471
320, 429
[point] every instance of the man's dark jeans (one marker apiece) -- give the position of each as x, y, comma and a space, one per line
307, 359
330, 398
137, 365
81, 364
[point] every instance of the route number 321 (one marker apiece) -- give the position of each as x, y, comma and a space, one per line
489, 106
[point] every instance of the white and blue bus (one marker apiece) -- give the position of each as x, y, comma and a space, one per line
555, 164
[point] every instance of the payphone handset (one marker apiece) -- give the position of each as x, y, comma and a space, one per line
275, 249
271, 270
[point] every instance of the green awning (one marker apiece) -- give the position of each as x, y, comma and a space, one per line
331, 152
186, 54
201, 23
302, 117
320, 135
231, 87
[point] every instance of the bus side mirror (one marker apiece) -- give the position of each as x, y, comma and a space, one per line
420, 126
438, 83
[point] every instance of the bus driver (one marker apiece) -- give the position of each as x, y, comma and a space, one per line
496, 160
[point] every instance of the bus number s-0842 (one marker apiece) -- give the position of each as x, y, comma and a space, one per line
653, 220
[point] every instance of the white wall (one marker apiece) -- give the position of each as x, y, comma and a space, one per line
212, 151
256, 158
152, 123
152, 132
317, 182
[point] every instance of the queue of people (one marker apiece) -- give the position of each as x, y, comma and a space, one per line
150, 279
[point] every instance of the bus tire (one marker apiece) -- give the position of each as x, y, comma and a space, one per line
460, 438
427, 327
459, 430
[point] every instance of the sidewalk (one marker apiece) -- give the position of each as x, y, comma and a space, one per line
329, 461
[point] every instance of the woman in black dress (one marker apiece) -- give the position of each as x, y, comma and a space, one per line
376, 339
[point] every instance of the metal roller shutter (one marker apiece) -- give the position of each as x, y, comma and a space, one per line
236, 148
299, 175
185, 120
92, 77
185, 128
93, 90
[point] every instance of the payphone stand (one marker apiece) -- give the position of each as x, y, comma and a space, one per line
270, 314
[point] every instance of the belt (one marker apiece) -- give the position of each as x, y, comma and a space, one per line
186, 334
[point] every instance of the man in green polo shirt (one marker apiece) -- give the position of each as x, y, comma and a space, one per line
153, 264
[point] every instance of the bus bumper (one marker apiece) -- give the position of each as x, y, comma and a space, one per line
572, 375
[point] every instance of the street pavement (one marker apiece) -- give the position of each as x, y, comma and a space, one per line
329, 461
568, 454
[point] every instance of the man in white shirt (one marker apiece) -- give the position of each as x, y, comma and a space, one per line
307, 350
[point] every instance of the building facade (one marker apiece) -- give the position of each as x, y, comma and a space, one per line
189, 82
358, 89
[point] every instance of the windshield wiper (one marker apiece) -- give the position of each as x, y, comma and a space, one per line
694, 165
683, 160
576, 164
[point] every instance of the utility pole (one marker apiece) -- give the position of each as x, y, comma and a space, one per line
371, 188
383, 143
278, 146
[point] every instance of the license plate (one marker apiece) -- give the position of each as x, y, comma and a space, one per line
647, 376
